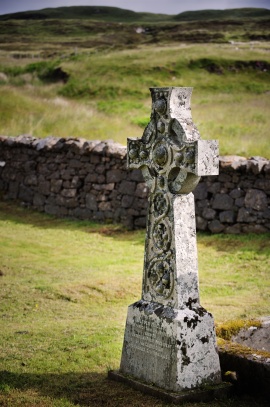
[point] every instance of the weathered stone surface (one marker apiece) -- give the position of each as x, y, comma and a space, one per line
255, 229
39, 200
245, 215
45, 166
256, 199
91, 202
209, 213
201, 191
236, 193
141, 190
227, 217
223, 201
169, 338
233, 229
127, 187
215, 226
201, 224
115, 176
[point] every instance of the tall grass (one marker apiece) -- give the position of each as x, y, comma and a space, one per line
106, 94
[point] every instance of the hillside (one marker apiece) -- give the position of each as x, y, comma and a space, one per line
114, 14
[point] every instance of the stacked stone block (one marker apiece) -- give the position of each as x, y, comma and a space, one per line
85, 179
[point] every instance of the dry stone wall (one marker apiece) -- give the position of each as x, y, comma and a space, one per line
88, 180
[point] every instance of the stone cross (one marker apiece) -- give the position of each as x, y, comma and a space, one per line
169, 338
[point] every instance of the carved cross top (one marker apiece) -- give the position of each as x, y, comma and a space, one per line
170, 153
172, 158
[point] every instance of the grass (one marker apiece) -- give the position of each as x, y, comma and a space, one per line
105, 95
65, 288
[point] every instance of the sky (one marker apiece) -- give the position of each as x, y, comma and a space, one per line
153, 6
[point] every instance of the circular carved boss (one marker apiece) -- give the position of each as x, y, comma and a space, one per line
160, 276
161, 236
160, 155
160, 204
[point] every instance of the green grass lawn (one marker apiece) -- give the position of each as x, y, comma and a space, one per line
106, 94
65, 288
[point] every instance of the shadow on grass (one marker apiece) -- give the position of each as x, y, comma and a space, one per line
94, 389
13, 212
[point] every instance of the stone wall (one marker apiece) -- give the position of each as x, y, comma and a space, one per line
88, 180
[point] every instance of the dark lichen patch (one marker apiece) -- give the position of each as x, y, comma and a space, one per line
185, 358
191, 322
205, 339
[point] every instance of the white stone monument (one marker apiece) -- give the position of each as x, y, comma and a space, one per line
169, 338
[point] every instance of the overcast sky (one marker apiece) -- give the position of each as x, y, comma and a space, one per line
154, 6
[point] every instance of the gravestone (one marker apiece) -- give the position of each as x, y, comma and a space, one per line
169, 337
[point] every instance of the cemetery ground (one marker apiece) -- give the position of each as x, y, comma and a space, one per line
65, 288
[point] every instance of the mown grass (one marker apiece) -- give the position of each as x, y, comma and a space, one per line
65, 288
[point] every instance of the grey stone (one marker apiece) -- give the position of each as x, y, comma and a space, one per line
266, 214
255, 229
127, 201
240, 202
215, 226
105, 206
82, 213
56, 185
44, 187
201, 224
39, 200
233, 229
263, 184
256, 199
256, 164
91, 202
31, 179
208, 213
136, 175
167, 330
127, 187
69, 193
223, 201
227, 217
13, 190
25, 194
140, 222
245, 215
214, 188
115, 176
236, 193
91, 177
200, 192
141, 190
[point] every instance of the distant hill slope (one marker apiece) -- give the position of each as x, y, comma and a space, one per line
114, 14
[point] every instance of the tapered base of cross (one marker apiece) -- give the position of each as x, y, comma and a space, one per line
170, 348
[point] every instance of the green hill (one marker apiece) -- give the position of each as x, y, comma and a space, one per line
115, 14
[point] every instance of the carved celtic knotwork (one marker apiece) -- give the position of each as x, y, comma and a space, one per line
161, 236
172, 159
161, 277
160, 204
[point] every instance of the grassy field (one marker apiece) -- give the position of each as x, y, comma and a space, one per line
65, 288
86, 78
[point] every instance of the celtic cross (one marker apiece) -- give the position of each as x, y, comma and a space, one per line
169, 338
172, 158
